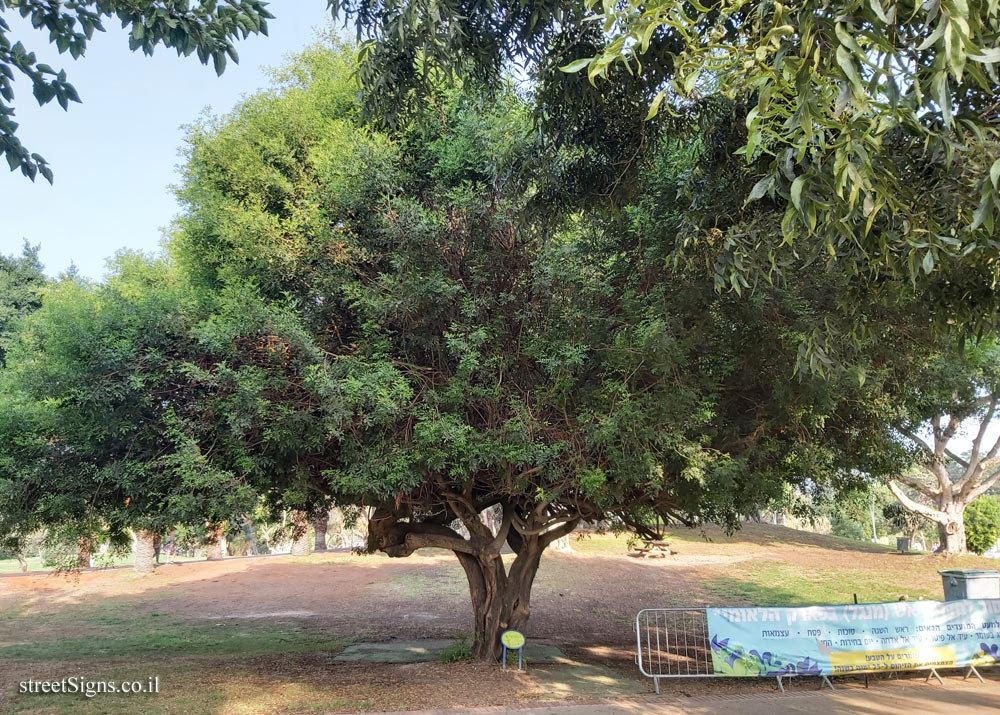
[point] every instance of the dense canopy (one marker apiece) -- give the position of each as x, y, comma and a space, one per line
426, 319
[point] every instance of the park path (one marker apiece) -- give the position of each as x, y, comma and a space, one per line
913, 697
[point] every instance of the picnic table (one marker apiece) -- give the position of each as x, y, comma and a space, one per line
654, 548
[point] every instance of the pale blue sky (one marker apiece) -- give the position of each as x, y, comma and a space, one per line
115, 155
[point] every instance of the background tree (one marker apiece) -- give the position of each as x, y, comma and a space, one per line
204, 27
982, 523
95, 407
953, 392
21, 284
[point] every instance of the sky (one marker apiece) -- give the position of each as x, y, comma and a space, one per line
115, 155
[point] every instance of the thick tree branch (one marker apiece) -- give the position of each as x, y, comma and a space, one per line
916, 507
978, 441
925, 489
954, 457
557, 533
984, 486
419, 536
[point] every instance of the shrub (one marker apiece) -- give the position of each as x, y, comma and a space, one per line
460, 649
982, 524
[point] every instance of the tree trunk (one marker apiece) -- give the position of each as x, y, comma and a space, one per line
250, 533
319, 527
145, 551
300, 532
951, 529
213, 539
157, 547
24, 564
500, 600
84, 550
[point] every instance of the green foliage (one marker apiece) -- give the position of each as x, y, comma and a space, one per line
460, 649
982, 523
397, 314
819, 136
21, 284
205, 27
851, 511
95, 420
380, 317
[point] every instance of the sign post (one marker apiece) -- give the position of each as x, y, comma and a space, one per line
513, 640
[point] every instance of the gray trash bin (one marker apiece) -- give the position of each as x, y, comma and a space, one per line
970, 583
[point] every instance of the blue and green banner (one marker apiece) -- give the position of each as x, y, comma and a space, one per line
863, 638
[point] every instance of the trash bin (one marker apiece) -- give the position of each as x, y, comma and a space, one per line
902, 544
970, 583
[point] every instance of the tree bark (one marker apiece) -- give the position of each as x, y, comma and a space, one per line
84, 550
500, 600
319, 527
145, 551
949, 515
213, 539
300, 532
951, 531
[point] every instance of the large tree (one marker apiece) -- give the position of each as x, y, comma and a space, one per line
94, 410
954, 396
418, 321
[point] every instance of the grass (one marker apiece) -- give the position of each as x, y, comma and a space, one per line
460, 649
448, 580
774, 583
14, 566
131, 638
103, 561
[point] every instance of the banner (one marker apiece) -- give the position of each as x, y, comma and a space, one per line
863, 638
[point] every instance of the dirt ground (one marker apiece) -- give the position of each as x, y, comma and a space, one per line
584, 602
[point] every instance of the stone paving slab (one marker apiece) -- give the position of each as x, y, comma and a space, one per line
416, 651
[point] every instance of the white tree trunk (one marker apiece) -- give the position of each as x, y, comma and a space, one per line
144, 551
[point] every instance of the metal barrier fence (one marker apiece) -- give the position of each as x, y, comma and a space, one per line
674, 643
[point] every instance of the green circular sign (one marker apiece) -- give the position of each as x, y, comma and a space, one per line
512, 639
